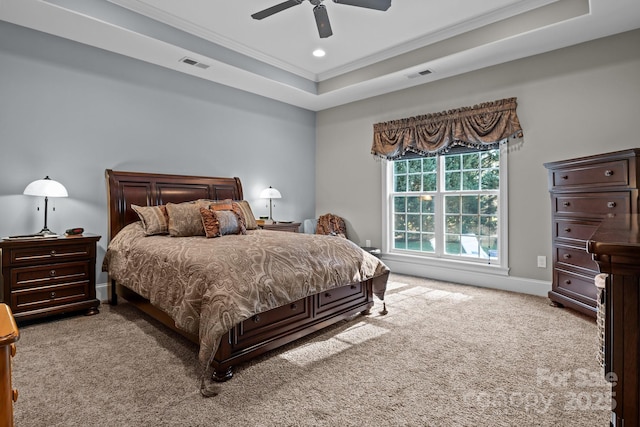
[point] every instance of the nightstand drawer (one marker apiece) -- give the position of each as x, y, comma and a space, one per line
48, 253
49, 296
49, 274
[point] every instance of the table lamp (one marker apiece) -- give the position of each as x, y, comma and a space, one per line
46, 188
270, 193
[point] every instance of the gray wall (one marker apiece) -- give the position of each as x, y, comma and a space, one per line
72, 111
573, 102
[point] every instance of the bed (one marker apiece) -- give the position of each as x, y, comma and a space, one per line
237, 296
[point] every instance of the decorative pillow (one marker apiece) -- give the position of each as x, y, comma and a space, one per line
155, 219
249, 219
217, 222
185, 219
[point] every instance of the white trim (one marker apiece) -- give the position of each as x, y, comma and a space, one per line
102, 292
464, 274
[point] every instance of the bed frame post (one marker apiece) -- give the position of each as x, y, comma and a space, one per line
114, 295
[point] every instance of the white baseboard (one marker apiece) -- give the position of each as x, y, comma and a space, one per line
474, 278
102, 292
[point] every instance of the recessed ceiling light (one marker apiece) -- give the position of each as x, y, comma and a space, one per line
319, 53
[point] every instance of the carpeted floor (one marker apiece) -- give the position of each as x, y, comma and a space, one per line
445, 355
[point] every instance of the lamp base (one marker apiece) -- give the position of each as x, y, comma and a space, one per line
46, 232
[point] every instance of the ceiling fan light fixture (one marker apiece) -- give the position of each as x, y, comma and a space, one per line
319, 53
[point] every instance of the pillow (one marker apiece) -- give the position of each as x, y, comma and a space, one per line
218, 222
249, 219
155, 219
185, 219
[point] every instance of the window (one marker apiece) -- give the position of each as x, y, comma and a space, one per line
447, 206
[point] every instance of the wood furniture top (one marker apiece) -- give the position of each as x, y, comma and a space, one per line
616, 244
145, 189
8, 336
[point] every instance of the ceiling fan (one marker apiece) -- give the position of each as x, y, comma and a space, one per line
320, 11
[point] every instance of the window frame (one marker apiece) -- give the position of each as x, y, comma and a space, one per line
439, 258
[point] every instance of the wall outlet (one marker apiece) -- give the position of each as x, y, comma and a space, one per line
542, 261
367, 243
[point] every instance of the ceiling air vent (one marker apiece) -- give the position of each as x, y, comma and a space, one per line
193, 62
419, 73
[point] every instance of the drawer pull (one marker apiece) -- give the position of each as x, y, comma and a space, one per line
611, 205
566, 256
53, 252
12, 350
567, 230
565, 176
567, 282
327, 295
52, 273
14, 395
566, 204
256, 318
353, 286
608, 172
294, 306
53, 295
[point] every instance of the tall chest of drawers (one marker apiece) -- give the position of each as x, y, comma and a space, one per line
43, 277
584, 191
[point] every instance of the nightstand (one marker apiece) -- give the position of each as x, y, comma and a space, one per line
47, 276
282, 226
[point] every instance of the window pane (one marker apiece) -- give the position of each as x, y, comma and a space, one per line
470, 205
400, 167
489, 225
400, 183
452, 204
413, 223
452, 223
470, 180
415, 183
428, 241
452, 163
428, 205
413, 204
490, 179
400, 241
429, 182
470, 224
452, 181
399, 204
415, 166
413, 241
452, 245
490, 159
488, 205
429, 164
428, 223
470, 161
399, 223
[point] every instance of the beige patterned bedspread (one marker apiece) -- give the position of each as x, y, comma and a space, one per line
209, 285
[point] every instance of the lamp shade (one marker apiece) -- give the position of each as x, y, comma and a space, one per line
46, 188
270, 193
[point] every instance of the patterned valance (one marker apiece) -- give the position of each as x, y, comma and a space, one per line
480, 127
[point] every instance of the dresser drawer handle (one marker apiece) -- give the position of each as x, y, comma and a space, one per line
567, 282
53, 295
567, 230
256, 318
327, 295
53, 252
12, 350
14, 395
565, 177
353, 286
608, 172
566, 204
611, 205
52, 273
566, 256
294, 306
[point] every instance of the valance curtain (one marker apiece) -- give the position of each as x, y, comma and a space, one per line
481, 127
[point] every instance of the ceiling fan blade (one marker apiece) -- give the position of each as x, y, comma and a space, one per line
369, 4
322, 21
275, 9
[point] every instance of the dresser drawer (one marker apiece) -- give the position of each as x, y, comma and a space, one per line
49, 253
579, 286
291, 312
577, 258
328, 299
42, 275
574, 231
592, 204
49, 296
606, 174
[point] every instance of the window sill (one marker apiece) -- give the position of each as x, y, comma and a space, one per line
447, 263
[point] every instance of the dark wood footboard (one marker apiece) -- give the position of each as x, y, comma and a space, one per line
274, 328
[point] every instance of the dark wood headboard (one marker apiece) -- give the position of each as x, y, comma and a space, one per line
151, 189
